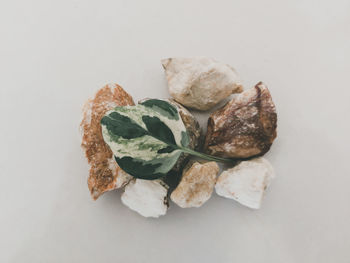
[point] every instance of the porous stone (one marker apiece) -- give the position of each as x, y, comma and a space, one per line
105, 174
196, 185
200, 82
244, 127
146, 197
246, 182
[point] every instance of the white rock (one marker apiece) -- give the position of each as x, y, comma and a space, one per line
200, 82
196, 185
148, 198
246, 182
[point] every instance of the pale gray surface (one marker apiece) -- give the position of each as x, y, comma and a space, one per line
55, 54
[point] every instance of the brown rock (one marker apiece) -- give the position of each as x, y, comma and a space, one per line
105, 174
244, 127
196, 185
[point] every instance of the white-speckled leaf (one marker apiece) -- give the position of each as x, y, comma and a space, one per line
146, 138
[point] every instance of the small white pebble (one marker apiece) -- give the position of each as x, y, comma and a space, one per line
146, 197
246, 182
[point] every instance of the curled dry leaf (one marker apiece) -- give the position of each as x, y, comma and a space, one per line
105, 174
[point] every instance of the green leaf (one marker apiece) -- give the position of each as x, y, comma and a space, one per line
122, 126
163, 107
155, 126
146, 139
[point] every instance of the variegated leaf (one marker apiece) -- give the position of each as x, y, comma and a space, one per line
146, 139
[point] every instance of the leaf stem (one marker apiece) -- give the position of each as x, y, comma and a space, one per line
206, 156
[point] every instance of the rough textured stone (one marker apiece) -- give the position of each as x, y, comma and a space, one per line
244, 127
105, 174
146, 197
200, 82
246, 182
196, 185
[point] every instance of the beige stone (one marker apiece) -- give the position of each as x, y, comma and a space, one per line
196, 185
200, 82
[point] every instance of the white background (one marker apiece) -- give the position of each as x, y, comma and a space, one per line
56, 54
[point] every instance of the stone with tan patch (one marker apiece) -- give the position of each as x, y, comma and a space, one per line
105, 174
196, 185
